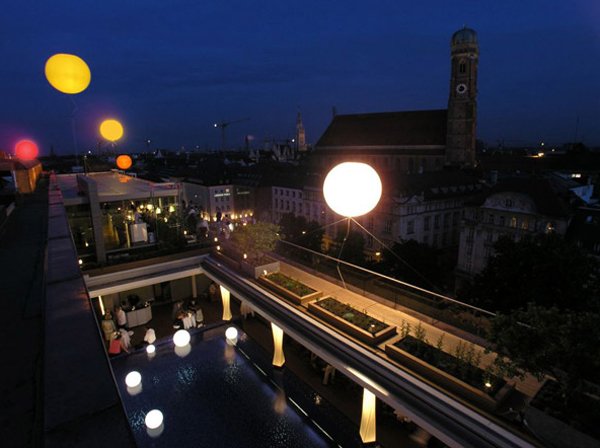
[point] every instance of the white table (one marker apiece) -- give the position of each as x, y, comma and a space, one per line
139, 316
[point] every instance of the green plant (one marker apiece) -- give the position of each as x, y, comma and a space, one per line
255, 239
351, 315
294, 286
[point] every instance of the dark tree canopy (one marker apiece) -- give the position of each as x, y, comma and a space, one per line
542, 340
296, 230
545, 270
418, 264
354, 247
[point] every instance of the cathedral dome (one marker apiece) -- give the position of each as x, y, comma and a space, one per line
464, 36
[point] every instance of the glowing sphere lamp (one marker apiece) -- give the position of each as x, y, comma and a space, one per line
150, 349
154, 419
352, 189
231, 333
111, 130
124, 162
133, 379
68, 73
181, 338
26, 150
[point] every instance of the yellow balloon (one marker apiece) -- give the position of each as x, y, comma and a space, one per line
68, 73
111, 130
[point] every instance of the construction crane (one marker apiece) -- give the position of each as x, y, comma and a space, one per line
223, 125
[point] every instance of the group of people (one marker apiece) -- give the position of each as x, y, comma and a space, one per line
116, 335
183, 310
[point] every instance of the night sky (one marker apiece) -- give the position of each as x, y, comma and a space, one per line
168, 70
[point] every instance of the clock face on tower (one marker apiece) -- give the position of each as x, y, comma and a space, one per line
461, 89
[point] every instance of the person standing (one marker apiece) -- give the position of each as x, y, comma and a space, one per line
108, 327
121, 317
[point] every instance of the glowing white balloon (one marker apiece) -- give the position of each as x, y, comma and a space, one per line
181, 338
154, 419
352, 189
231, 333
150, 349
133, 379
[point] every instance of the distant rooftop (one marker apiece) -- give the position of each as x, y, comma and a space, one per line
390, 129
114, 186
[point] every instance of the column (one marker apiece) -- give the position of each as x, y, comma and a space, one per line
278, 357
226, 307
194, 289
367, 421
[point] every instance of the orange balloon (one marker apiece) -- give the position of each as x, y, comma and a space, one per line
26, 150
124, 162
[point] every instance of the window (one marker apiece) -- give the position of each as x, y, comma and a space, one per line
502, 220
293, 194
525, 224
489, 237
513, 222
470, 233
462, 68
509, 203
287, 192
446, 220
410, 227
436, 222
469, 249
491, 219
387, 226
487, 253
550, 227
276, 203
426, 222
370, 223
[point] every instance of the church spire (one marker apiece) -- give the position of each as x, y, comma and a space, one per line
300, 133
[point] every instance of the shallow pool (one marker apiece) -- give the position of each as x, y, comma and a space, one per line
213, 397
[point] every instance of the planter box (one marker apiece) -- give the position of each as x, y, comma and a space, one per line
287, 294
351, 329
447, 381
256, 271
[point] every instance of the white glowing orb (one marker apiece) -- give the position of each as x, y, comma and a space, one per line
231, 333
352, 189
181, 338
154, 419
133, 379
150, 349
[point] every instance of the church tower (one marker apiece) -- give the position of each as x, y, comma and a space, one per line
300, 133
462, 103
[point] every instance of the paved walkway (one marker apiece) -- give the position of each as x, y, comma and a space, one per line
378, 309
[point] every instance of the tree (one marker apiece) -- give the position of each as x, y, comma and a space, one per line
255, 239
539, 340
313, 238
413, 262
353, 248
545, 270
296, 230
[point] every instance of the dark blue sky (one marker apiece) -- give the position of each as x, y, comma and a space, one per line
168, 70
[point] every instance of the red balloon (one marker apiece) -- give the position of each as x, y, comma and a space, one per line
26, 150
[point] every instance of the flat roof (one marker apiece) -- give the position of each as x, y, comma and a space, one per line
114, 186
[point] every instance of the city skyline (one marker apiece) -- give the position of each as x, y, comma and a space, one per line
169, 74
